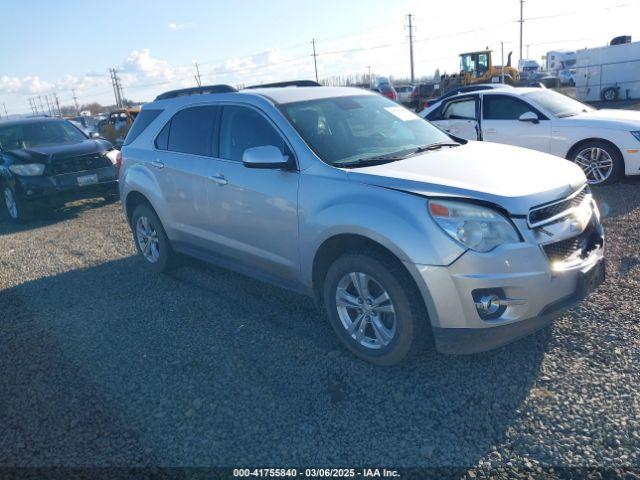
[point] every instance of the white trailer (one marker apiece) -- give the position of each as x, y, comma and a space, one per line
608, 73
560, 60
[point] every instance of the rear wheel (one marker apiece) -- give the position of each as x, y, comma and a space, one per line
610, 94
374, 308
17, 210
150, 238
600, 162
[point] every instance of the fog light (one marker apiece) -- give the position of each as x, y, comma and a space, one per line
491, 303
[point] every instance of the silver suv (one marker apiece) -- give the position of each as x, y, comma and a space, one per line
401, 231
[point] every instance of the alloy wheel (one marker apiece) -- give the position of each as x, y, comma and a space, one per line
10, 202
147, 237
596, 163
366, 310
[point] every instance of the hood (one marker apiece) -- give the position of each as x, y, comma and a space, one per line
513, 178
618, 119
46, 153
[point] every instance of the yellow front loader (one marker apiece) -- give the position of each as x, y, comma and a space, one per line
477, 67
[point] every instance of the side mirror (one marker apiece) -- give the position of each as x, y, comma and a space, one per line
529, 117
266, 156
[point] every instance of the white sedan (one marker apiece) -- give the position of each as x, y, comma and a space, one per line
604, 143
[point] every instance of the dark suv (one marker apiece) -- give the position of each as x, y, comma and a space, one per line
45, 162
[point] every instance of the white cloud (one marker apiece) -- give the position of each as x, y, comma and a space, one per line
179, 26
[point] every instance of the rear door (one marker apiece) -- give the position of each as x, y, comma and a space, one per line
184, 150
501, 124
459, 117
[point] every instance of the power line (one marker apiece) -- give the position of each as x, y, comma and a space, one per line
521, 24
197, 75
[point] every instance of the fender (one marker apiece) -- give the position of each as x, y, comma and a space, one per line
138, 178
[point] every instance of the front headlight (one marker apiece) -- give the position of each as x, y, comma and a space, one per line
478, 228
28, 169
636, 134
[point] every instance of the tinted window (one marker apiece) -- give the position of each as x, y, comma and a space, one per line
142, 121
192, 131
162, 140
462, 109
35, 134
502, 107
244, 128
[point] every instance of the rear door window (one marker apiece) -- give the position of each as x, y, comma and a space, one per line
192, 131
141, 122
460, 109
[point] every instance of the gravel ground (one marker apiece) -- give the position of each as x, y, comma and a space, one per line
106, 364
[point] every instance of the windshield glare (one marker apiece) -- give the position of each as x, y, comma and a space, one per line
36, 134
345, 129
557, 104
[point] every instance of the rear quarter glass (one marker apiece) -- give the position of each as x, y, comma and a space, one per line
142, 121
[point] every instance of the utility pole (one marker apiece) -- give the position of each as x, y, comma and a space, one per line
502, 62
410, 18
369, 77
41, 105
75, 101
55, 96
46, 99
32, 105
521, 23
197, 75
117, 88
5, 110
315, 63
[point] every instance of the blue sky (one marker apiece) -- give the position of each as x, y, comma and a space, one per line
64, 44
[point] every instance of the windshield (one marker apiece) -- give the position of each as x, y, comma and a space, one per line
557, 104
345, 129
35, 134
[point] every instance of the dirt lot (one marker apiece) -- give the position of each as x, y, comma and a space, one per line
104, 363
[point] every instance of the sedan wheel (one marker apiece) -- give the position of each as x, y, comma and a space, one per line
365, 310
596, 163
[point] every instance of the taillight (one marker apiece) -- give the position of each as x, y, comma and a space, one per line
118, 164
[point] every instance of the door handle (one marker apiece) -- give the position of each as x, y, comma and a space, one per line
218, 179
157, 164
490, 130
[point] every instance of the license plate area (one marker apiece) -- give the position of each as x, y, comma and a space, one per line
591, 279
84, 180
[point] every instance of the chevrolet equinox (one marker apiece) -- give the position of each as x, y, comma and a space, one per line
401, 231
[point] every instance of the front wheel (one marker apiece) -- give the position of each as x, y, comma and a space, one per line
150, 238
374, 308
600, 162
17, 210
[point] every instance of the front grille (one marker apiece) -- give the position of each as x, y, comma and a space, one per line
80, 163
540, 214
575, 248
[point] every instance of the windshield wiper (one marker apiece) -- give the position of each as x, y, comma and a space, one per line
434, 146
370, 161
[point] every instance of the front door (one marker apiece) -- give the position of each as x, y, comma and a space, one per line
253, 212
501, 124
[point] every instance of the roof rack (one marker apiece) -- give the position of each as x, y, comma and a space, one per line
292, 83
196, 91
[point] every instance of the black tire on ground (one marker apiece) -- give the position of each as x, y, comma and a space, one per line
166, 254
618, 163
609, 94
412, 323
111, 197
23, 213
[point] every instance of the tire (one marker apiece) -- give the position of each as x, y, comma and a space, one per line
16, 209
609, 94
585, 155
159, 256
404, 330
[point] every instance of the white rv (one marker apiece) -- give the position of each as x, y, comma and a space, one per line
608, 73
560, 60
